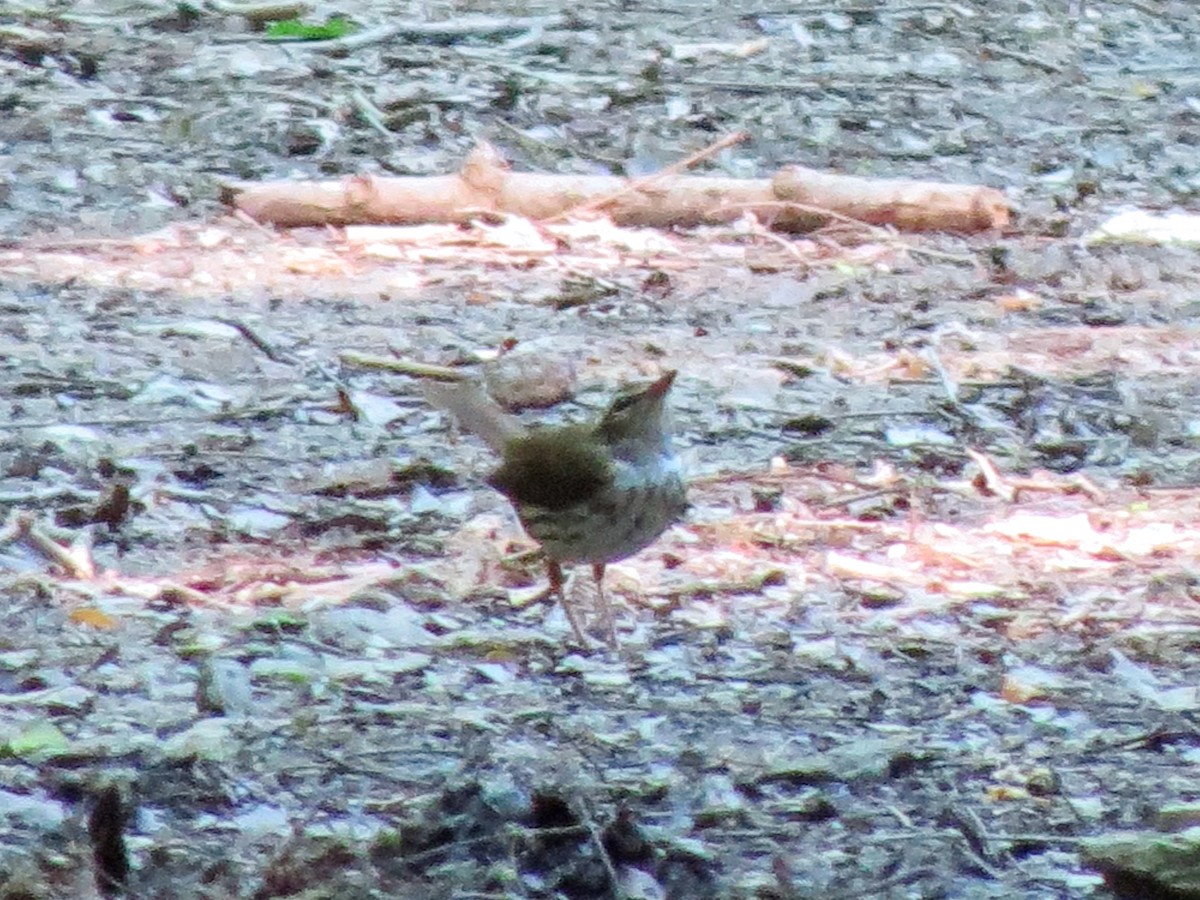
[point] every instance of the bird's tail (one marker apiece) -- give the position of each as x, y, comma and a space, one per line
475, 411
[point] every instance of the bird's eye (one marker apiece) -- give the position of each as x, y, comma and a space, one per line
623, 402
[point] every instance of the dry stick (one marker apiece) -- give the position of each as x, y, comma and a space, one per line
248, 413
260, 13
12, 529
605, 859
992, 479
403, 366
600, 202
966, 823
1078, 483
800, 87
900, 814
1025, 58
941, 834
788, 246
1009, 487
24, 529
522, 136
245, 218
33, 498
198, 597
293, 97
253, 337
370, 112
467, 26
875, 230
66, 243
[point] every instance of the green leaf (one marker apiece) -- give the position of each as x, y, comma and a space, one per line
280, 620
293, 28
38, 739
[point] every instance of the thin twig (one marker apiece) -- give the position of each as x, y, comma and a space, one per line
253, 337
370, 112
877, 232
463, 27
403, 366
639, 184
992, 479
250, 412
1023, 58
23, 528
605, 860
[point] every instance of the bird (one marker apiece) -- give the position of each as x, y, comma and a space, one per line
591, 493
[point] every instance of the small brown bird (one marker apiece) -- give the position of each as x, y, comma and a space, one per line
593, 493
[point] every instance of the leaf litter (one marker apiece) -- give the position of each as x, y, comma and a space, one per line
900, 645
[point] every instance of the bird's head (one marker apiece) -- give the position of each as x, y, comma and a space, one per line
638, 418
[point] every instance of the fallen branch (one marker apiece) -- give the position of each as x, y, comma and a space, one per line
795, 200
76, 561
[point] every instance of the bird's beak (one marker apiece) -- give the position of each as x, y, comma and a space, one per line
659, 389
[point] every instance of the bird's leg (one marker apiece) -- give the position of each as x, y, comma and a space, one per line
555, 572
606, 613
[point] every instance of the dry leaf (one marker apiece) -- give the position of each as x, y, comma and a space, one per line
93, 617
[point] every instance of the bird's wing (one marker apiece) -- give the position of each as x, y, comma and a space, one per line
554, 468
